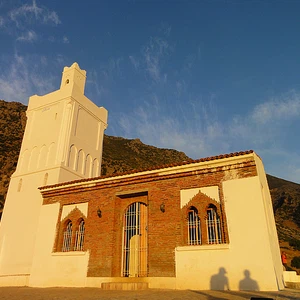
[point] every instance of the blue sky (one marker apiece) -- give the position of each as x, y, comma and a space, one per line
203, 77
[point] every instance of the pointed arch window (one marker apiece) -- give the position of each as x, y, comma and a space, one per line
194, 227
79, 237
213, 225
67, 237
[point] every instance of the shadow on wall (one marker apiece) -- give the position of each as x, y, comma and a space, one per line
220, 282
248, 284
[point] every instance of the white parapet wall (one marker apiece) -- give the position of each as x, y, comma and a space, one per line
247, 261
291, 276
55, 268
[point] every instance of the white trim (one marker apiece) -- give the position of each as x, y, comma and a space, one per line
203, 247
69, 253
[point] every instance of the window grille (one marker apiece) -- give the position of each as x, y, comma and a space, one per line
67, 238
79, 237
194, 228
213, 224
134, 259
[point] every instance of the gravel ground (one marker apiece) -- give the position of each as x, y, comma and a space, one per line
26, 293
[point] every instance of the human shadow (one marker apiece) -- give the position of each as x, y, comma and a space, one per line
248, 284
219, 281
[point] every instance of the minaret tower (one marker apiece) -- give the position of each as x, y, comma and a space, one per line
62, 141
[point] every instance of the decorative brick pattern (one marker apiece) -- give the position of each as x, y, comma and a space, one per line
201, 202
166, 230
75, 216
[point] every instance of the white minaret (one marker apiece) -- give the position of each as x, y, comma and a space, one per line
62, 142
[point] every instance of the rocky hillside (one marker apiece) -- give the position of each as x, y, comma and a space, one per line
12, 124
286, 204
120, 155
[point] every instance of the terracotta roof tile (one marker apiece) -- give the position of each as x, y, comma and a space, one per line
191, 161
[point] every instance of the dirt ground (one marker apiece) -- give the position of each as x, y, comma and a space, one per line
26, 293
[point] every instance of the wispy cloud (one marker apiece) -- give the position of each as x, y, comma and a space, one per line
166, 29
111, 69
186, 129
25, 76
29, 13
181, 87
94, 82
134, 61
154, 53
1, 22
179, 116
285, 107
190, 61
51, 17
66, 40
268, 122
22, 22
60, 40
196, 129
101, 83
28, 36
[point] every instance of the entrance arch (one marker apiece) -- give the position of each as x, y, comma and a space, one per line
135, 241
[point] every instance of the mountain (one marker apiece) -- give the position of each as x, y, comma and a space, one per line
12, 124
121, 155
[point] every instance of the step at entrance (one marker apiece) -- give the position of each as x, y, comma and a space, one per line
124, 286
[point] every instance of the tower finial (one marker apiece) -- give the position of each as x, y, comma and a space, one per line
73, 76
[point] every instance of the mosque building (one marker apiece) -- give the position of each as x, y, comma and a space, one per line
202, 224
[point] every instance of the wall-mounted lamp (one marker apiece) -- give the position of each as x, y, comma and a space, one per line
162, 207
99, 213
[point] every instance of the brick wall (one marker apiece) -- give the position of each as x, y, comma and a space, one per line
166, 230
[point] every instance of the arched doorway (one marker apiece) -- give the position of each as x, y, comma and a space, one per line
135, 245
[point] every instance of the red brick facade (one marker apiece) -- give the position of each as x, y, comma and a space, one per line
166, 230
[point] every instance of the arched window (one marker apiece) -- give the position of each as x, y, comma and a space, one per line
80, 161
79, 237
194, 229
135, 245
67, 237
213, 224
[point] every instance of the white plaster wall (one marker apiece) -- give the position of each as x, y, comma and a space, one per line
271, 225
83, 207
59, 268
291, 276
20, 219
188, 194
19, 223
249, 248
86, 134
20, 280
